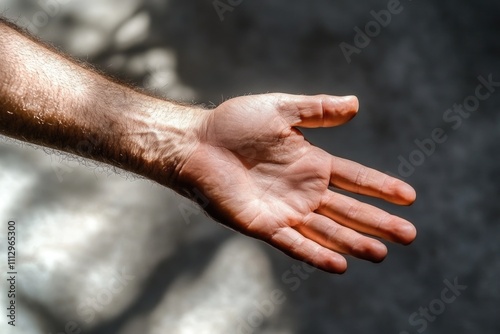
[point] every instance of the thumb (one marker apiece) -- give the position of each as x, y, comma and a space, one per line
317, 111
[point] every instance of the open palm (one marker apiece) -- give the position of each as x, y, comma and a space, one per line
262, 178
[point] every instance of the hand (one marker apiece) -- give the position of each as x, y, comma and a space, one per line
247, 156
262, 178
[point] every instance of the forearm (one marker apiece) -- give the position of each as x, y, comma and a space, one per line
50, 100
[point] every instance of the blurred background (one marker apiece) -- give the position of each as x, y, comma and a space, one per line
105, 253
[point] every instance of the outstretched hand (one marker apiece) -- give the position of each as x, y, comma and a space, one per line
247, 156
262, 178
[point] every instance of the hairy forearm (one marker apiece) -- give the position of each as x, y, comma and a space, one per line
50, 100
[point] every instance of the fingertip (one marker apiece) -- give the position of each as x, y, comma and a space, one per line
347, 106
408, 233
379, 252
402, 193
335, 264
330, 262
354, 102
371, 250
407, 193
337, 110
342, 271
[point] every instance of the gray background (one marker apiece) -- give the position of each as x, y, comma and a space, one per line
80, 224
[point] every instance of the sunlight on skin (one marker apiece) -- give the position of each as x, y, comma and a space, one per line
247, 157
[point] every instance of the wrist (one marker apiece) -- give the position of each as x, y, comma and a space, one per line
162, 136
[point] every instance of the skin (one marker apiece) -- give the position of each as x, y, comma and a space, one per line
247, 157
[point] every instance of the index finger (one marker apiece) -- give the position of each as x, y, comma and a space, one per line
354, 177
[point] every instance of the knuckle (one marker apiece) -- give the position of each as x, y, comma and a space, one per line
352, 212
331, 233
296, 244
361, 177
383, 221
388, 185
359, 247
